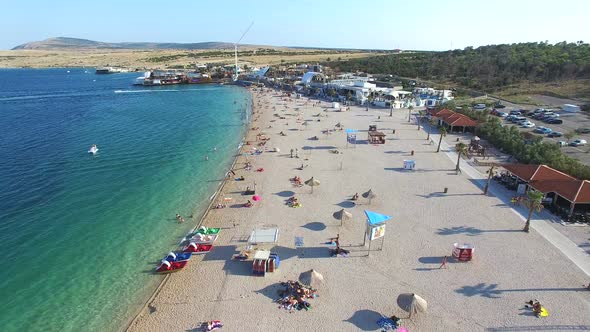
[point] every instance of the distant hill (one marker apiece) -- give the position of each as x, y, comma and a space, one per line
85, 44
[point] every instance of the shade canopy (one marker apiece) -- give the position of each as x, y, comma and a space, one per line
342, 215
369, 194
376, 218
312, 278
412, 303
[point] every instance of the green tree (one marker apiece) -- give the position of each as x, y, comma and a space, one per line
534, 203
443, 133
461, 149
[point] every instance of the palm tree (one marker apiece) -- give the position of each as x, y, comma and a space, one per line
443, 133
461, 148
533, 202
410, 109
421, 115
431, 123
490, 174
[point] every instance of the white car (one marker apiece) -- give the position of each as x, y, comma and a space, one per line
578, 142
528, 124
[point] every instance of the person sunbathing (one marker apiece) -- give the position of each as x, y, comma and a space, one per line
248, 204
355, 197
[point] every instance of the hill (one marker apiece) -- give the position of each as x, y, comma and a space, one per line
66, 43
483, 68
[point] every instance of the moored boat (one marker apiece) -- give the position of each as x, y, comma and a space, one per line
197, 249
177, 257
169, 267
203, 238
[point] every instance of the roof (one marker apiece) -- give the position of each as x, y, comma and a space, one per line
376, 133
374, 218
546, 179
453, 118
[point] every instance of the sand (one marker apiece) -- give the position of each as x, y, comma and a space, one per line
488, 293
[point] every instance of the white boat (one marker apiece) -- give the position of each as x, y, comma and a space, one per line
93, 149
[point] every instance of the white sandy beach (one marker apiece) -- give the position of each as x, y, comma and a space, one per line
487, 294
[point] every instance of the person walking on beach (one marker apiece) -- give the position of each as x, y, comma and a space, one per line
292, 153
444, 263
296, 153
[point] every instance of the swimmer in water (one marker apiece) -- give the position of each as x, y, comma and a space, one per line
206, 157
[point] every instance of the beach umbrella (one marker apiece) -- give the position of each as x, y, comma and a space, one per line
370, 195
312, 278
342, 215
312, 183
412, 303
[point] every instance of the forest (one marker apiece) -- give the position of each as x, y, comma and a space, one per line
485, 67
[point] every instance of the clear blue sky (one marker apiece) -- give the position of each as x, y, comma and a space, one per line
377, 24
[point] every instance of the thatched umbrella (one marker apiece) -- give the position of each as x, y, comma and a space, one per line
312, 278
342, 215
370, 195
312, 183
412, 303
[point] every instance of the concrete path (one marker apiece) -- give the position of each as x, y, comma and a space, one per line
541, 221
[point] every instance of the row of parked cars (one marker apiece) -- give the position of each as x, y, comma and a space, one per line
548, 116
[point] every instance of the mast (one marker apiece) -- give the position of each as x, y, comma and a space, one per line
236, 50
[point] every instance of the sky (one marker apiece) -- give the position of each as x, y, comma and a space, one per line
365, 24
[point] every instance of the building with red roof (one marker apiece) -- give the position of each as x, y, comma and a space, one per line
452, 120
561, 188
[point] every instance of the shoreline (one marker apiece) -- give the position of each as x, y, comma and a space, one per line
212, 199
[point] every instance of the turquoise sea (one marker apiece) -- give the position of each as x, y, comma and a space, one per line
80, 234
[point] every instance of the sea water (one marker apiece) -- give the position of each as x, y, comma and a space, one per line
80, 234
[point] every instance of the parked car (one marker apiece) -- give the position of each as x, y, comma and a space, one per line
555, 134
515, 112
562, 143
578, 142
502, 114
583, 130
518, 119
528, 124
499, 105
479, 107
510, 117
543, 130
555, 121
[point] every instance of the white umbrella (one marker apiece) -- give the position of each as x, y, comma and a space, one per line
370, 195
312, 278
412, 303
312, 183
342, 215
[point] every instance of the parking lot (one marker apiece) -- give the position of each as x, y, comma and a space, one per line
571, 122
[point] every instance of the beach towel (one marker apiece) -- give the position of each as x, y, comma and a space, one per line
386, 323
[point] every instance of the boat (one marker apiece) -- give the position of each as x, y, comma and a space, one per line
203, 239
169, 267
93, 149
197, 249
177, 257
110, 70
